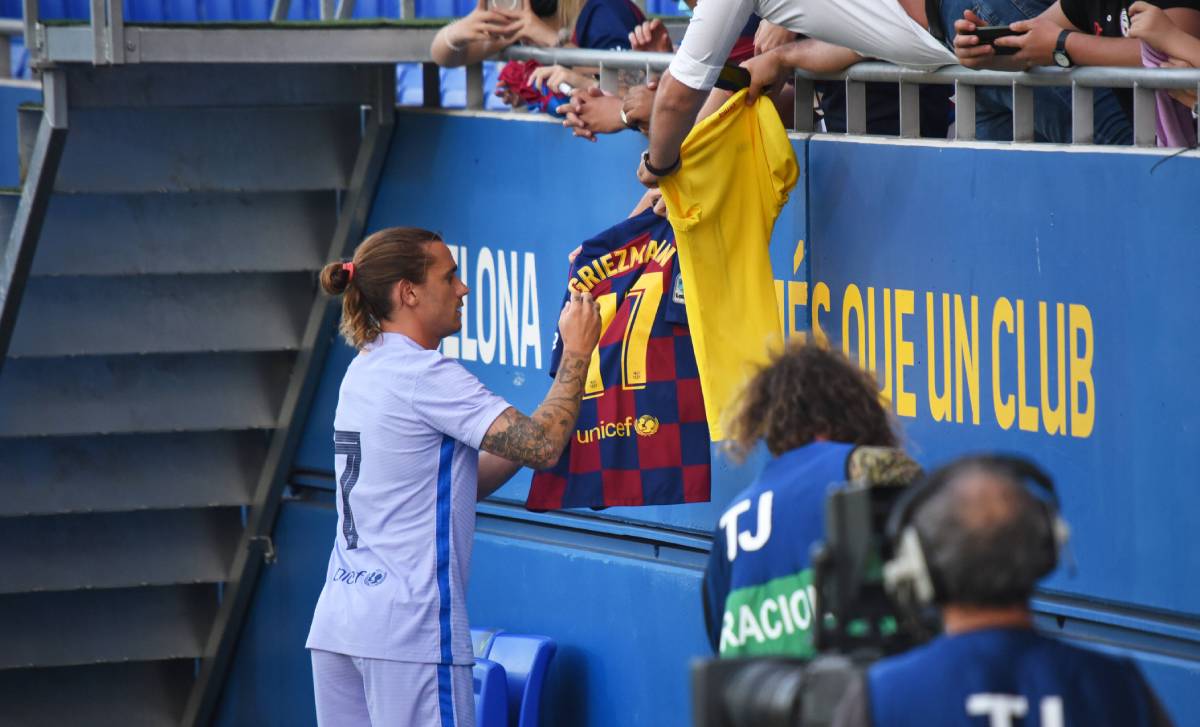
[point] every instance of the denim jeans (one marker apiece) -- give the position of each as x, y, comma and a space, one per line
1052, 106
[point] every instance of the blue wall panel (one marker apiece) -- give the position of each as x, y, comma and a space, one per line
1100, 234
627, 628
1097, 233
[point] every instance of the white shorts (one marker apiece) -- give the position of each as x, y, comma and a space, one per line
352, 691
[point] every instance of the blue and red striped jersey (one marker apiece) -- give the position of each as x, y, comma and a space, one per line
642, 435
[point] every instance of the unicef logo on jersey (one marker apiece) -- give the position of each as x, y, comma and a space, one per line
646, 426
375, 578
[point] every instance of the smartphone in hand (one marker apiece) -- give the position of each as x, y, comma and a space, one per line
733, 78
988, 34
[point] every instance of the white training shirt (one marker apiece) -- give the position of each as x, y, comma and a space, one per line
406, 453
873, 28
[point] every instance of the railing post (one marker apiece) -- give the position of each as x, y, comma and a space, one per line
964, 111
609, 79
99, 54
1022, 112
856, 107
327, 9
345, 10
5, 56
910, 110
116, 30
408, 9
431, 86
475, 86
33, 41
1145, 132
1083, 127
802, 105
279, 10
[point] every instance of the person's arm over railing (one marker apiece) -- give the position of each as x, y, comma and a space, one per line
1156, 27
711, 35
479, 35
1039, 37
675, 108
769, 71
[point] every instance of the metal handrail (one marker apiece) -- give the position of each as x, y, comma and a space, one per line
109, 44
877, 72
1082, 82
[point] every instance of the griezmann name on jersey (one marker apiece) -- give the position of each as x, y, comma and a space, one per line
642, 434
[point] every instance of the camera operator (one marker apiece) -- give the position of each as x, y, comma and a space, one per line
814, 410
974, 539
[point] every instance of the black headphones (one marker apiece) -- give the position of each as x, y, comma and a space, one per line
907, 576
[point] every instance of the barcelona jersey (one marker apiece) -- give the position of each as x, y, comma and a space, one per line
642, 434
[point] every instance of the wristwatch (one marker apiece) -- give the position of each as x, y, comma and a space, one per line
1061, 58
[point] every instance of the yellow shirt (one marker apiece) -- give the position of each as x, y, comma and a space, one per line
738, 167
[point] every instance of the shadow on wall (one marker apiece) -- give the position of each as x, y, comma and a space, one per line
566, 687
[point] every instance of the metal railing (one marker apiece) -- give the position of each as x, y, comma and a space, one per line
1082, 81
109, 43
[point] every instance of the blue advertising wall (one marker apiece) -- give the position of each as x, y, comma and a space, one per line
1034, 301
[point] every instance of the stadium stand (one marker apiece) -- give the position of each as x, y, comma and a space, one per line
93, 252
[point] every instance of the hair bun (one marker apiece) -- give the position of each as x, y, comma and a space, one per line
335, 278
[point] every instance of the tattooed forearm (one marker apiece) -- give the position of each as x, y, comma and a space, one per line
538, 440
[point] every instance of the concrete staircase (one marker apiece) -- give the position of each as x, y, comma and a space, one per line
159, 323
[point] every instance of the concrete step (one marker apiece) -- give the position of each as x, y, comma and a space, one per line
88, 627
247, 149
120, 473
118, 550
127, 234
122, 394
133, 694
91, 316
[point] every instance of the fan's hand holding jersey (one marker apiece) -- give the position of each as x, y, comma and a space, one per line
1000, 678
641, 436
758, 592
738, 168
408, 426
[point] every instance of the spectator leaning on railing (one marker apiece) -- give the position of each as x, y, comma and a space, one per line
592, 111
493, 26
1069, 33
891, 30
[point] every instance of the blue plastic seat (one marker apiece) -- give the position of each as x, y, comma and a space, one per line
454, 87
481, 641
491, 694
409, 88
526, 659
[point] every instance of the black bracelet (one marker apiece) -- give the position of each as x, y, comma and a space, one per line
660, 172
